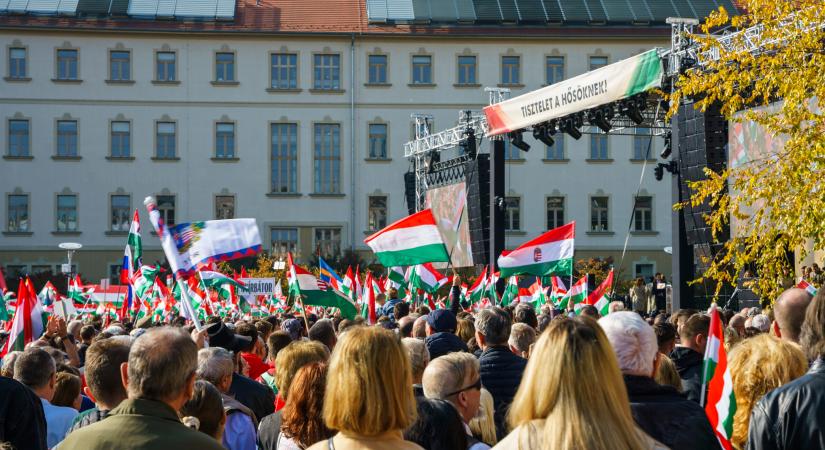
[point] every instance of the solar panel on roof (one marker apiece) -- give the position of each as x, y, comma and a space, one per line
443, 10
702, 7
377, 10
575, 11
4, 5
67, 7
662, 9
93, 7
728, 4
640, 11
166, 8
683, 9
487, 10
509, 11
225, 10
195, 8
554, 10
42, 6
18, 6
421, 10
531, 11
466, 10
400, 10
118, 7
596, 10
142, 8
619, 11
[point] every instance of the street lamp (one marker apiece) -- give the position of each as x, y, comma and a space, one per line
70, 248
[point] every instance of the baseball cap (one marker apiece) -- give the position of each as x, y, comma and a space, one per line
441, 320
221, 336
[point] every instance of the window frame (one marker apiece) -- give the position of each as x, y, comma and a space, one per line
128, 52
289, 69
16, 76
414, 66
510, 213
57, 139
640, 143
648, 210
233, 143
28, 137
459, 71
156, 155
128, 218
233, 65
9, 214
316, 243
386, 153
370, 65
370, 209
112, 155
58, 211
547, 66
57, 64
596, 139
590, 58
174, 65
547, 210
504, 69
164, 211
335, 83
297, 243
605, 209
334, 181
294, 159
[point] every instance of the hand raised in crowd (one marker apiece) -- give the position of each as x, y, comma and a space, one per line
200, 337
456, 279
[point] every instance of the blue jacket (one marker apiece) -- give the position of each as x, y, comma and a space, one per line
386, 310
439, 344
501, 373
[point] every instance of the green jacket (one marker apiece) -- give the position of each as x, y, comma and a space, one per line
139, 424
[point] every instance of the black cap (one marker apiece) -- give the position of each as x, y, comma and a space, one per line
442, 320
221, 336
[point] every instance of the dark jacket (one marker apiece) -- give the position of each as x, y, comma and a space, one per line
22, 422
688, 363
667, 416
387, 309
268, 431
501, 373
256, 396
137, 425
87, 418
791, 416
439, 344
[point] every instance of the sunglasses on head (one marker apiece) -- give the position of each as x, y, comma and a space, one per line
476, 385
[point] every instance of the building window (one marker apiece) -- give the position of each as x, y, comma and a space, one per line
556, 151
511, 152
510, 69
66, 213
16, 270
327, 158
327, 71
225, 140
67, 64
121, 139
378, 140
224, 206
512, 213
17, 62
598, 214
641, 142
67, 138
165, 66
554, 68
598, 146
328, 242
119, 206
114, 274
283, 240
284, 158
555, 212
644, 270
18, 213
467, 70
284, 71
643, 214
166, 208
224, 66
120, 65
377, 68
597, 62
19, 137
42, 268
377, 212
165, 140
422, 69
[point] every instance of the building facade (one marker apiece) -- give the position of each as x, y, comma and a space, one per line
299, 123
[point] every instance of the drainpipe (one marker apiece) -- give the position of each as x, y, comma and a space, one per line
352, 141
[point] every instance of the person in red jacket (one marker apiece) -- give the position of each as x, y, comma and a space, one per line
257, 366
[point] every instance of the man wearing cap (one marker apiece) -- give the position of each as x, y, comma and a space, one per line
441, 338
255, 396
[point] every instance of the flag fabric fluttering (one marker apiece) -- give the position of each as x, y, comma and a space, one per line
549, 254
412, 240
510, 291
368, 296
807, 287
575, 296
600, 297
29, 319
427, 278
720, 406
132, 260
476, 291
538, 294
332, 279
306, 287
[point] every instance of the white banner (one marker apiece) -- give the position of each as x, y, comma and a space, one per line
259, 286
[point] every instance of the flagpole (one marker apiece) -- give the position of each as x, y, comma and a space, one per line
304, 313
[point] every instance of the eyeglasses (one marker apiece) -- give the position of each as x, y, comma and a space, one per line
476, 385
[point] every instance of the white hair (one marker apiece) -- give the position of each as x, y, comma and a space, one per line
761, 322
633, 342
615, 306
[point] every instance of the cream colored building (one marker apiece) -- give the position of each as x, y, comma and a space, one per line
297, 121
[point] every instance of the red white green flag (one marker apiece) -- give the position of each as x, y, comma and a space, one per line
807, 287
304, 285
412, 240
476, 291
368, 296
576, 295
721, 402
558, 291
427, 278
600, 297
549, 254
510, 291
538, 294
29, 319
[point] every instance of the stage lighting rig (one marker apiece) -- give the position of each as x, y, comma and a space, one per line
601, 117
517, 140
659, 170
543, 133
668, 146
571, 125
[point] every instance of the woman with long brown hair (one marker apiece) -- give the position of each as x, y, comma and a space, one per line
302, 421
572, 395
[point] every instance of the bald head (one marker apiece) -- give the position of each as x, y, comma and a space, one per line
789, 312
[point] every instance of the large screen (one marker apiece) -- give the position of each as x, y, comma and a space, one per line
449, 206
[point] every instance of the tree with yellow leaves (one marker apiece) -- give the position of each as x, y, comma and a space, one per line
775, 198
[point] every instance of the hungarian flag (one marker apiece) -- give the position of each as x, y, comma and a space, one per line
510, 292
412, 240
142, 281
576, 295
600, 297
549, 254
48, 295
476, 291
427, 278
490, 292
538, 294
721, 403
218, 281
305, 286
557, 290
807, 287
75, 291
349, 285
396, 278
29, 319
132, 259
368, 307
6, 298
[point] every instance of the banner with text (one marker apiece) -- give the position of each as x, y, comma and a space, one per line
259, 286
598, 87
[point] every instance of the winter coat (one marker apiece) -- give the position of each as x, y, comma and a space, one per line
22, 422
501, 373
87, 418
256, 396
667, 416
688, 363
791, 416
639, 296
439, 344
139, 424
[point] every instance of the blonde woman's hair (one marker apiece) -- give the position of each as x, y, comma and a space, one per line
666, 373
573, 382
369, 384
294, 356
758, 365
483, 424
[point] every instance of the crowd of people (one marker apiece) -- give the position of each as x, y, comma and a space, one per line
501, 377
